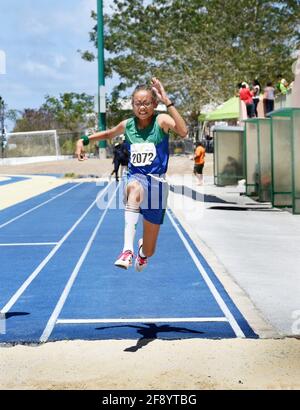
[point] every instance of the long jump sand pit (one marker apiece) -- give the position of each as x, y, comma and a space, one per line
181, 364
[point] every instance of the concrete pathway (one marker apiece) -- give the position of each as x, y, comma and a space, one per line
255, 247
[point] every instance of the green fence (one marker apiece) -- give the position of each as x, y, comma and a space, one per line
229, 166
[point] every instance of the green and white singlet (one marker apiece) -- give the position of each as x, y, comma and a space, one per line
149, 157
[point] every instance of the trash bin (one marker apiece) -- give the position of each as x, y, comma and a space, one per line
258, 158
285, 145
228, 155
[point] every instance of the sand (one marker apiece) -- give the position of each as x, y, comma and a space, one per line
181, 364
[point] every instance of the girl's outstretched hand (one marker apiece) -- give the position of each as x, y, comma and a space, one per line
80, 153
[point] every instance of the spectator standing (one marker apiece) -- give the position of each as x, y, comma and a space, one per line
208, 143
256, 94
199, 159
269, 97
123, 157
116, 160
120, 157
282, 85
247, 96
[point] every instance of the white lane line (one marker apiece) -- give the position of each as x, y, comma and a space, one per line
34, 274
38, 206
29, 244
144, 320
60, 304
233, 323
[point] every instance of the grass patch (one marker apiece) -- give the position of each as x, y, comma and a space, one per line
70, 175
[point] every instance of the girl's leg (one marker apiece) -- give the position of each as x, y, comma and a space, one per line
146, 246
150, 236
134, 191
153, 218
134, 194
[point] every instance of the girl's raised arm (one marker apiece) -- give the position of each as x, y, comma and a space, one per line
173, 120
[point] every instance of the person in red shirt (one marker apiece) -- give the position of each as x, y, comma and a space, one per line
247, 96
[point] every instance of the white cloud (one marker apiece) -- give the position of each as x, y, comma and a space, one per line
77, 18
59, 60
36, 26
38, 69
14, 88
42, 50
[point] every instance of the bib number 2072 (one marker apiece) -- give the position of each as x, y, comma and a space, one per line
142, 154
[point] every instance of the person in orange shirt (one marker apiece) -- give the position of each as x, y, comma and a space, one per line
199, 159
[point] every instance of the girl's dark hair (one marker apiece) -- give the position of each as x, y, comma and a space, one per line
269, 84
256, 82
144, 87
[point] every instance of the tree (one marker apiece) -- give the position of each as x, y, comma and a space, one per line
34, 120
115, 113
71, 111
7, 114
200, 49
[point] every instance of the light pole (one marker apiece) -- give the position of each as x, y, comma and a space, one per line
2, 130
101, 78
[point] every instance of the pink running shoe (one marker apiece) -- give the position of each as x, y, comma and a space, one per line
140, 262
124, 260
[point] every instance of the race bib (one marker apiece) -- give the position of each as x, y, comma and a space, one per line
142, 154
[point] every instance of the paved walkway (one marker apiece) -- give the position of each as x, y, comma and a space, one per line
256, 248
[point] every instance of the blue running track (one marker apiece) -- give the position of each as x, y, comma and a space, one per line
12, 180
58, 280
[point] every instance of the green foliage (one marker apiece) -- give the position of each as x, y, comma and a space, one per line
70, 175
114, 112
71, 111
200, 49
7, 114
34, 120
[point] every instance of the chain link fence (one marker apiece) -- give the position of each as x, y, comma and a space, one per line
63, 143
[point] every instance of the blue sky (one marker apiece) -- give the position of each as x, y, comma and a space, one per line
40, 39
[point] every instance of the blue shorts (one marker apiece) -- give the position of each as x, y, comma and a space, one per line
156, 191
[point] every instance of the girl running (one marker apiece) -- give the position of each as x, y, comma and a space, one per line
146, 191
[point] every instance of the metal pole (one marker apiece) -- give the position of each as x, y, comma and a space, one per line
101, 78
2, 126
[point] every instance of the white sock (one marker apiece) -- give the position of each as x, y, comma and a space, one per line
131, 219
142, 253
